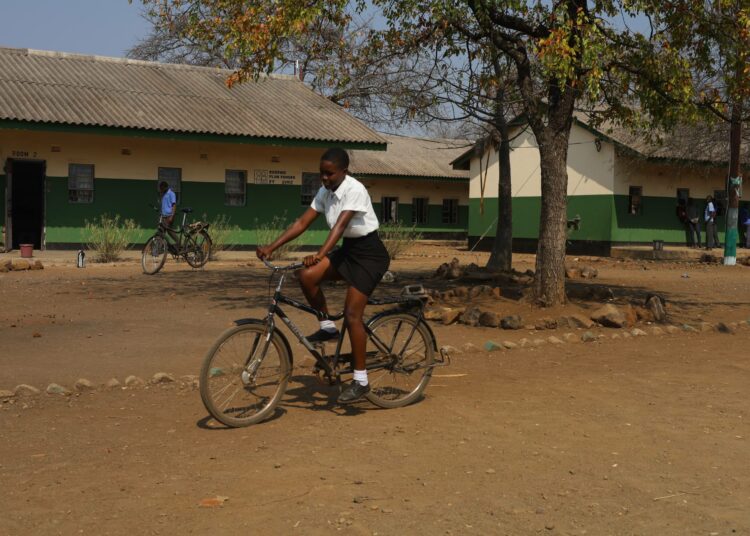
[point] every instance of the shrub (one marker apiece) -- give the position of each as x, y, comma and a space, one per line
269, 231
220, 231
108, 237
398, 238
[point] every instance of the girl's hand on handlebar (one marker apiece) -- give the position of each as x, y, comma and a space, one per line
311, 260
263, 252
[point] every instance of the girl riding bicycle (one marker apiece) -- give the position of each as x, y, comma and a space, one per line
361, 261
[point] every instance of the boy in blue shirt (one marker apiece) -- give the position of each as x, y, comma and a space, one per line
168, 209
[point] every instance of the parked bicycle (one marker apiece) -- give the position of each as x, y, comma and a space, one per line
191, 242
246, 371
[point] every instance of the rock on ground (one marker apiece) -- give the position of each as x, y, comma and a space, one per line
451, 315
162, 377
588, 336
469, 348
57, 389
492, 346
721, 327
450, 350
655, 304
511, 322
112, 383
489, 319
26, 390
609, 315
20, 265
133, 381
471, 315
82, 384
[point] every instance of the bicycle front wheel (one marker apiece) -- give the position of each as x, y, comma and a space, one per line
400, 363
154, 254
244, 376
198, 249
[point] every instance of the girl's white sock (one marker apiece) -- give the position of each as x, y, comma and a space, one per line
360, 376
328, 325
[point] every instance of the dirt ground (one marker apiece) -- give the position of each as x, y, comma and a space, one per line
645, 435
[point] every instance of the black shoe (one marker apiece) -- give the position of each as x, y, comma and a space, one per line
322, 335
353, 392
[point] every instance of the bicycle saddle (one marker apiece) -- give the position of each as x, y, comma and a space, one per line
187, 210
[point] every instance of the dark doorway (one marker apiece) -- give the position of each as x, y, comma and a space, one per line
26, 218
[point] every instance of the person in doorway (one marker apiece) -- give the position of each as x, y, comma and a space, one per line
361, 261
681, 213
694, 224
709, 216
168, 210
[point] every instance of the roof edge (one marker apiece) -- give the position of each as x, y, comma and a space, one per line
187, 136
129, 61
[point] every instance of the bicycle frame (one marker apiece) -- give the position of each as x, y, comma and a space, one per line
332, 371
163, 230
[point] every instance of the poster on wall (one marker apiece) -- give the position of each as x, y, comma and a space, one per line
273, 176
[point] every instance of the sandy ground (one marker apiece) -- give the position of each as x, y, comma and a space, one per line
645, 435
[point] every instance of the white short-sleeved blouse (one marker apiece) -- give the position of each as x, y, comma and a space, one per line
350, 195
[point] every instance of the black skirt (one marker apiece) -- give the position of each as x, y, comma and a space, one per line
361, 261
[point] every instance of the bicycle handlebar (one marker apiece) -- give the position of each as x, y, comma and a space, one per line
275, 268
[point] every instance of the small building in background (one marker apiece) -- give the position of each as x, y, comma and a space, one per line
622, 189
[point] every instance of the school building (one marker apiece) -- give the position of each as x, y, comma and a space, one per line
624, 190
81, 136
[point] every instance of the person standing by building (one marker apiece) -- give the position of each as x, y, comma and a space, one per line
744, 222
168, 210
681, 213
694, 225
709, 216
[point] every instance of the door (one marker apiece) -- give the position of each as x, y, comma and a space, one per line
25, 214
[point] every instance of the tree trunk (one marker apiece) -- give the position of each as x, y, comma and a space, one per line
549, 279
502, 248
734, 182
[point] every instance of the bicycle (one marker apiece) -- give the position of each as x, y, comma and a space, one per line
246, 371
193, 244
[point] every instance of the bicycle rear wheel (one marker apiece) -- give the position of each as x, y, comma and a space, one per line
154, 254
400, 367
243, 377
198, 249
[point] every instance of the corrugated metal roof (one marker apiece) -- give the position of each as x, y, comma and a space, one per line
71, 89
416, 157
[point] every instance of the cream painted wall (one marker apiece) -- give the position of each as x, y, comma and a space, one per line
406, 189
662, 180
590, 172
104, 151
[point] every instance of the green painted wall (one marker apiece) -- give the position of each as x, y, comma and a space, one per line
65, 221
603, 218
595, 212
657, 221
434, 218
130, 199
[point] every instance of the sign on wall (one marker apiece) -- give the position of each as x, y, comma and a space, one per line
273, 176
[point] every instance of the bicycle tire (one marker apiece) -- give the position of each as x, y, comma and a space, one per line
154, 254
400, 377
225, 369
198, 249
